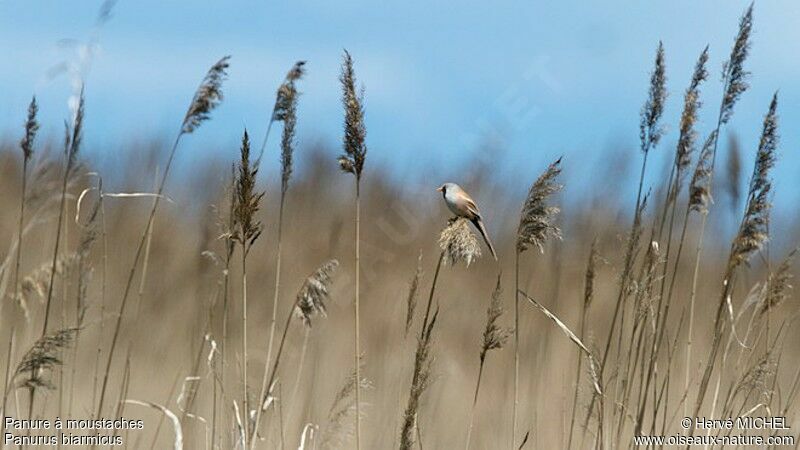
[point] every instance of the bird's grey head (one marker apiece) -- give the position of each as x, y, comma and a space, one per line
447, 187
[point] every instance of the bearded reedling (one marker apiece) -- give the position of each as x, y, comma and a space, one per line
462, 205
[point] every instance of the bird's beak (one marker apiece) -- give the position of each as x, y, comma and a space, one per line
440, 189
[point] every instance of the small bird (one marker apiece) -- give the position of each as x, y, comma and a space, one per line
462, 205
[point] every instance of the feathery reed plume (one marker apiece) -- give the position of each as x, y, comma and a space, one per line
688, 135
752, 235
700, 185
246, 230
458, 243
734, 173
650, 129
43, 356
778, 285
537, 216
310, 300
352, 161
420, 382
335, 434
494, 338
411, 299
733, 73
207, 97
285, 110
26, 144
754, 232
536, 225
285, 100
31, 127
355, 132
246, 227
314, 294
71, 146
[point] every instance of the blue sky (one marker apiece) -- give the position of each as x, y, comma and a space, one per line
547, 78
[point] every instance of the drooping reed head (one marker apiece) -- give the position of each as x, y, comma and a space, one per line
247, 200
733, 72
77, 132
315, 292
700, 186
411, 299
691, 105
494, 335
459, 243
650, 130
423, 359
44, 355
537, 220
31, 127
778, 285
286, 111
207, 97
754, 230
588, 280
355, 132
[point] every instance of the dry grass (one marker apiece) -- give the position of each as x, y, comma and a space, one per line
671, 315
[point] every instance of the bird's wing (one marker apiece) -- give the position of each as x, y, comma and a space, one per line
469, 204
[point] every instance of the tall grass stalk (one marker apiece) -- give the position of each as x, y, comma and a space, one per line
536, 226
26, 145
285, 110
247, 229
207, 97
71, 146
352, 161
494, 338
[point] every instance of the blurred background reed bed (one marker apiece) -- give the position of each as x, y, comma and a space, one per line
176, 349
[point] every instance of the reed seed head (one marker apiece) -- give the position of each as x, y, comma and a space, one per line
588, 280
733, 72
536, 222
315, 293
494, 336
31, 127
700, 186
411, 299
779, 284
355, 132
286, 111
207, 97
754, 231
248, 201
650, 130
459, 243
44, 355
688, 135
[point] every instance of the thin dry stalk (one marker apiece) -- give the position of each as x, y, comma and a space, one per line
71, 146
588, 296
536, 226
26, 144
247, 229
752, 235
352, 161
285, 110
206, 98
310, 301
494, 338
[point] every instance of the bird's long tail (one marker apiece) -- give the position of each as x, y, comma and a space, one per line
479, 225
